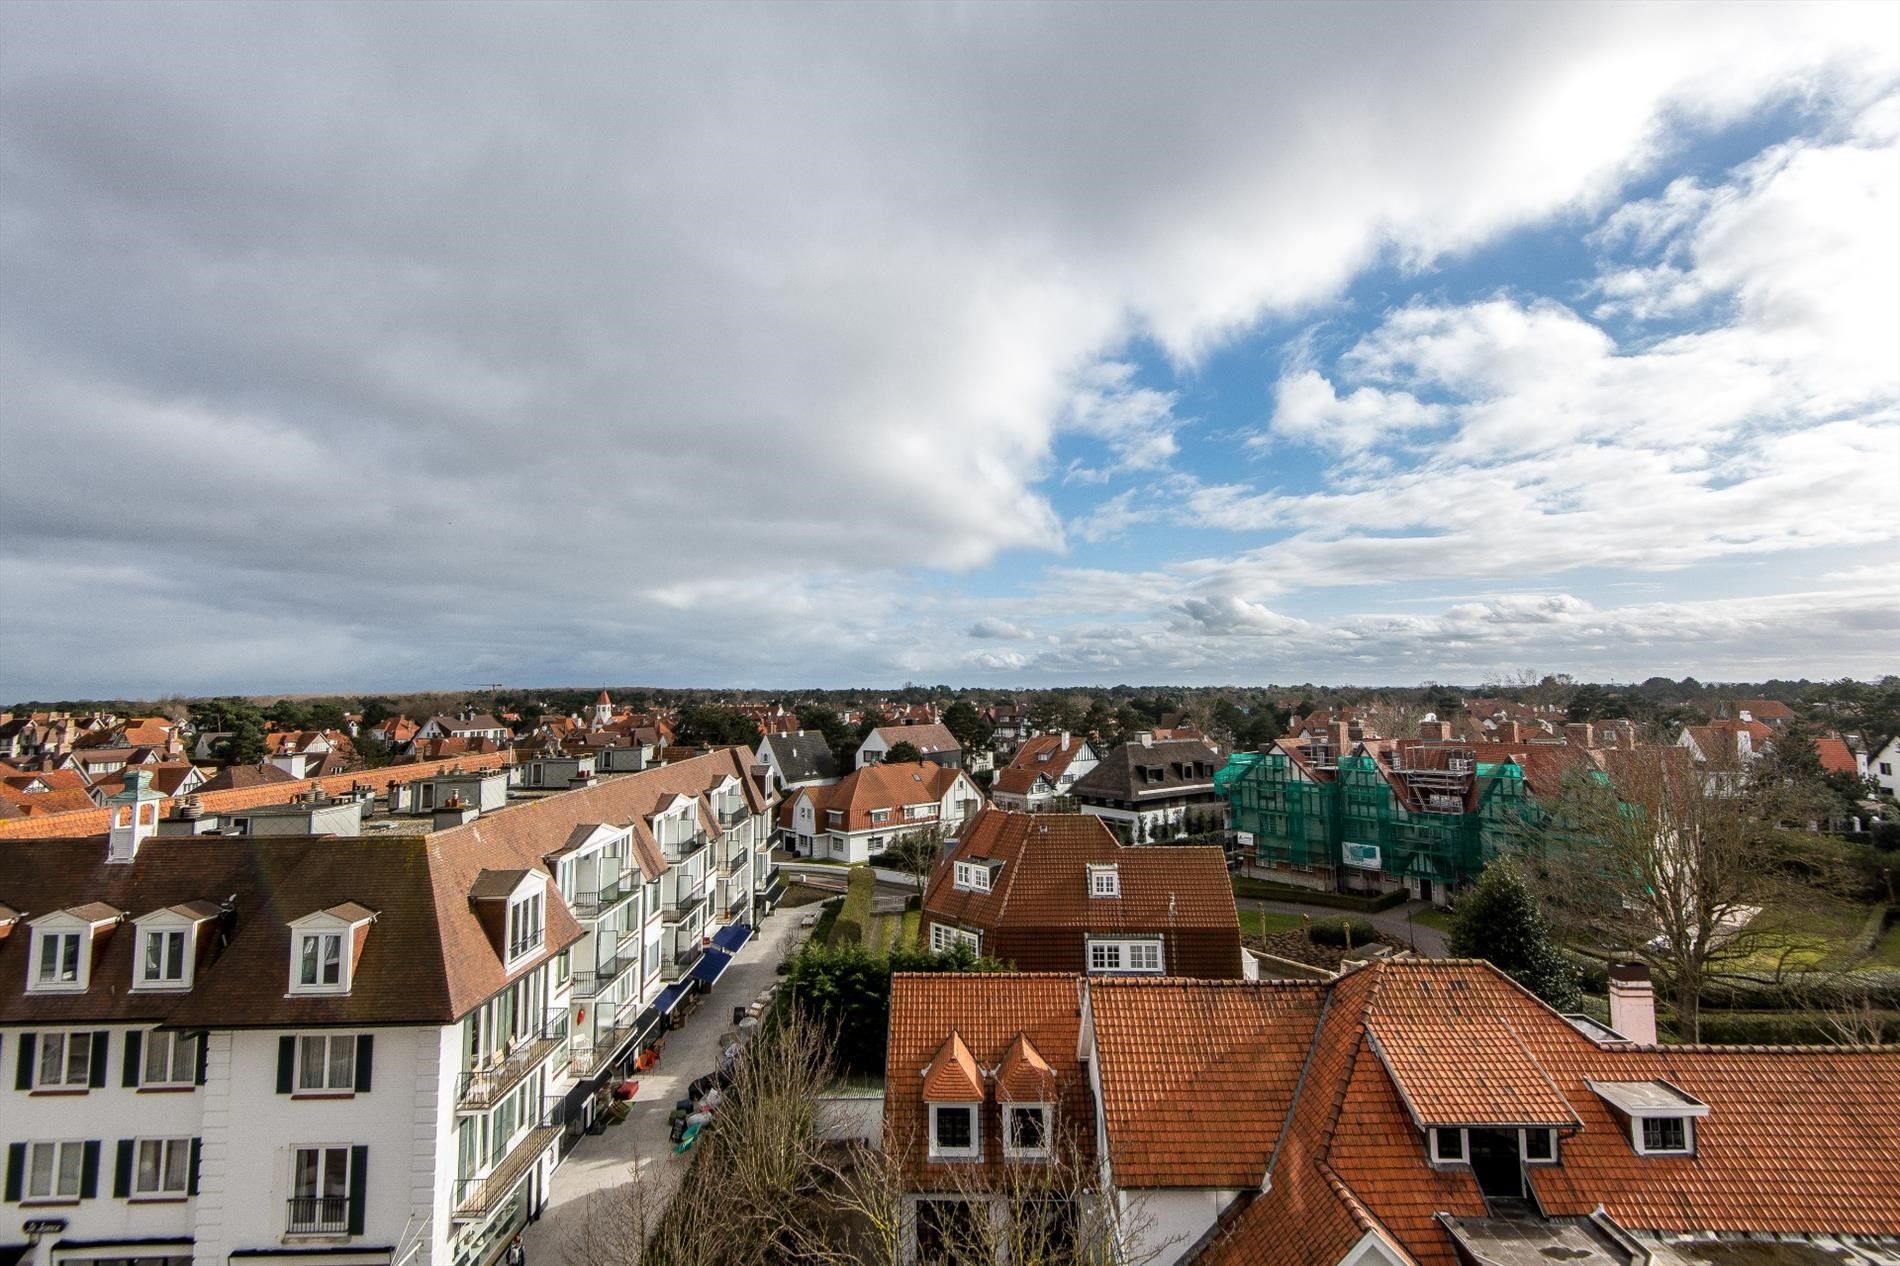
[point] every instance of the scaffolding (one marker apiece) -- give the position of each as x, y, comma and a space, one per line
1436, 824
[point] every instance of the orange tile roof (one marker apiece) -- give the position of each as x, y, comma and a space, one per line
1024, 1076
953, 1076
1046, 752
1836, 756
878, 786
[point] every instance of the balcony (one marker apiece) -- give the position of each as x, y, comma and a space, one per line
683, 910
475, 1197
679, 850
729, 818
677, 967
734, 861
592, 903
319, 1215
588, 984
607, 1041
481, 1087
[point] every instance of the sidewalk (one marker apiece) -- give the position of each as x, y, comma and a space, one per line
602, 1161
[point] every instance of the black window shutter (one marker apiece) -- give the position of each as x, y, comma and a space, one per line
204, 1046
359, 1188
24, 1079
89, 1171
16, 1169
96, 1074
134, 1040
122, 1170
286, 1059
197, 1149
365, 1057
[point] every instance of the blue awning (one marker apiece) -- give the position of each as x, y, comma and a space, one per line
711, 966
732, 936
670, 998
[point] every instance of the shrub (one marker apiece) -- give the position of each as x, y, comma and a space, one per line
848, 990
1343, 932
1267, 890
855, 915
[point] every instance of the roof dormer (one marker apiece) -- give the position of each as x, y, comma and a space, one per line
1658, 1117
1026, 1098
325, 947
953, 1092
513, 908
975, 875
62, 947
1105, 879
165, 945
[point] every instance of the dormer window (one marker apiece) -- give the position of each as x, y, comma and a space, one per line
59, 961
527, 925
1105, 881
164, 960
1658, 1117
1664, 1136
324, 947
167, 944
973, 876
953, 1089
62, 947
1448, 1145
1026, 1130
953, 1131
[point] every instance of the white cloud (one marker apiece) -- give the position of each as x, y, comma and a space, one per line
992, 627
1308, 410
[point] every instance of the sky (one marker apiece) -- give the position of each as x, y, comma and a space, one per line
382, 347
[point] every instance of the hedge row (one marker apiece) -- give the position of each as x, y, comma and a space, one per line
855, 915
1781, 1028
1267, 890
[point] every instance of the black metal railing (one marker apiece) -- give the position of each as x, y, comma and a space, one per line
680, 850
477, 1196
675, 968
589, 983
733, 816
317, 1215
591, 903
587, 1060
681, 910
480, 1087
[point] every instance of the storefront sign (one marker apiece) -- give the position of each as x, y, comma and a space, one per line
43, 1226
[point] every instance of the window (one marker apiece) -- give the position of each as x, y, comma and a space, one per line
1886, 767
326, 1064
171, 1059
1664, 1135
1540, 1146
162, 1169
65, 1060
944, 938
1105, 881
1448, 1145
1130, 956
953, 1130
525, 925
1026, 1129
55, 1171
320, 960
880, 815
164, 960
972, 877
320, 1190
60, 962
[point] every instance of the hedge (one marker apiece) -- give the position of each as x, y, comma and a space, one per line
855, 915
827, 919
1779, 1028
1342, 932
1267, 890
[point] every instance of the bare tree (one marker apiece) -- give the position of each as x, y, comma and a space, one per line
1682, 866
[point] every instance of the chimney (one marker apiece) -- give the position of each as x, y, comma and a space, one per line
1510, 732
453, 815
1435, 731
1580, 734
1626, 737
1633, 1002
1339, 733
1146, 738
1064, 745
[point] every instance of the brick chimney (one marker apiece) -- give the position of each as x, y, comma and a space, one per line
1633, 1002
1339, 734
1510, 732
1435, 731
1580, 734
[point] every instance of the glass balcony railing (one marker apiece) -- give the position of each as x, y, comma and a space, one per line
685, 909
588, 984
481, 1087
592, 903
475, 1197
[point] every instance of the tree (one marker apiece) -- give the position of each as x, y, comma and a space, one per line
1681, 866
327, 715
376, 711
371, 751
288, 714
916, 853
967, 724
842, 739
903, 753
708, 725
1501, 922
244, 745
222, 714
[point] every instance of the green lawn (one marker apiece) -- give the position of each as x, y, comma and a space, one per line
1886, 950
1821, 941
1435, 918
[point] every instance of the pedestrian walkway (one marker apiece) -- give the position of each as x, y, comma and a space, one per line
1427, 940
600, 1162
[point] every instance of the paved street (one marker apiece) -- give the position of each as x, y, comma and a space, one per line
1429, 941
601, 1161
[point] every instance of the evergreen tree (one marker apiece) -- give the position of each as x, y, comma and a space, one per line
1501, 922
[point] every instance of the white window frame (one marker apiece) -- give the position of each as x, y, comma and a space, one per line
70, 1040
974, 1151
1105, 881
56, 1150
945, 937
1641, 1144
324, 1075
1010, 1148
1120, 957
1437, 1134
972, 877
168, 1153
322, 1151
1524, 1147
181, 1058
66, 932
323, 938
530, 940
164, 979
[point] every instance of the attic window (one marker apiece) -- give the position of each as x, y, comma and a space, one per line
1659, 1117
1448, 1145
323, 948
1025, 1130
972, 877
526, 925
1105, 881
953, 1133
1154, 773
1664, 1136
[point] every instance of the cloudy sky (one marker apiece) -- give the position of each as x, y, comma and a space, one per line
382, 347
